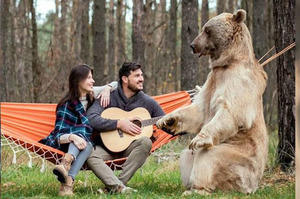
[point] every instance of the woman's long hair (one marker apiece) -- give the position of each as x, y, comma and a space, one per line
77, 74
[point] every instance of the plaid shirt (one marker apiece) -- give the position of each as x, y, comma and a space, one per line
70, 119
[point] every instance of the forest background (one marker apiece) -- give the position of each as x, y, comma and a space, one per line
37, 52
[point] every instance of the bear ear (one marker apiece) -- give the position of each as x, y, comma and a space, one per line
239, 16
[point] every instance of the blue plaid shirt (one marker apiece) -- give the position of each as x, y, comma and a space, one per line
70, 119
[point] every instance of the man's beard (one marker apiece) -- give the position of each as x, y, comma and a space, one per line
133, 87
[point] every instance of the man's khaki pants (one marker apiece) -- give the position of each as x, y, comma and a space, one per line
137, 153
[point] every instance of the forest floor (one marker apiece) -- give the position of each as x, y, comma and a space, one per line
158, 178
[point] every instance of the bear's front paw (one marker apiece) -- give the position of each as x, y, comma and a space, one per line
169, 122
201, 140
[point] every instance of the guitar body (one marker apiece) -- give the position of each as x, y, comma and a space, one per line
116, 140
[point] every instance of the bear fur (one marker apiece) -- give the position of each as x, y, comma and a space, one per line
230, 149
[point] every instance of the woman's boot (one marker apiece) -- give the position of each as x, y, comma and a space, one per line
61, 171
66, 189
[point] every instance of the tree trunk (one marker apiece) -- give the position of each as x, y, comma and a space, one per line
204, 64
23, 52
64, 27
36, 69
270, 95
99, 41
284, 19
138, 41
55, 35
124, 30
111, 41
11, 84
259, 28
120, 39
4, 50
297, 187
161, 67
248, 6
189, 31
231, 6
221, 6
172, 80
75, 29
151, 51
85, 43
64, 64
260, 45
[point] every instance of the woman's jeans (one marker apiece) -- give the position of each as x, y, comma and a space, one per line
80, 157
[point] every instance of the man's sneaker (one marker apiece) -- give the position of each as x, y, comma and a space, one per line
121, 189
126, 190
100, 191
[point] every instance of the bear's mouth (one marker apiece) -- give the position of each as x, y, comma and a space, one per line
200, 54
203, 52
206, 51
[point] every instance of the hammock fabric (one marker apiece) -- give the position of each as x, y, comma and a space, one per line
26, 123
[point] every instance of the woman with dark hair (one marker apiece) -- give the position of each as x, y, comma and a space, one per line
72, 132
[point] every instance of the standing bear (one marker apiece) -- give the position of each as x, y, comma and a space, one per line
230, 149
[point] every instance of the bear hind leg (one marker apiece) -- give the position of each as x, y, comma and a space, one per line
186, 166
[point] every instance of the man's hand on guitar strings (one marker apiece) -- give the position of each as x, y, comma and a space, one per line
128, 127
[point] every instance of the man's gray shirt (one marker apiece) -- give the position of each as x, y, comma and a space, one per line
119, 100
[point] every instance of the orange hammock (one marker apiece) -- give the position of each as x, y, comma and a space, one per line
26, 123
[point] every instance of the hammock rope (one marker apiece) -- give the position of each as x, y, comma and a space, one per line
277, 54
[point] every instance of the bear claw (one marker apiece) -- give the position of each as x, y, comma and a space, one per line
201, 140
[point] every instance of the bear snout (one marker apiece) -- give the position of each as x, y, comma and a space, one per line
193, 47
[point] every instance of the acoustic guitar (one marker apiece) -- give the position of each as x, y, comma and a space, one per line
116, 140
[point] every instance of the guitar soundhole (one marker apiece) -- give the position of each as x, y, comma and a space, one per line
137, 122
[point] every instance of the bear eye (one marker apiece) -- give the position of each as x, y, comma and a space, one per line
207, 31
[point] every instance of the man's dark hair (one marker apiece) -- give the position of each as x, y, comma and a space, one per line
127, 67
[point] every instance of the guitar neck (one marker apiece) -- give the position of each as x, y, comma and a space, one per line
150, 121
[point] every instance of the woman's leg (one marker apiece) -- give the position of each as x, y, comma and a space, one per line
73, 150
79, 157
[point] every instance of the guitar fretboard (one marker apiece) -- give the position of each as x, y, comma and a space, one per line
150, 121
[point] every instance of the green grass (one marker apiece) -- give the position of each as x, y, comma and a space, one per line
272, 157
156, 179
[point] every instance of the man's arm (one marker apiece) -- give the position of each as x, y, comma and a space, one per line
98, 89
97, 122
158, 111
155, 109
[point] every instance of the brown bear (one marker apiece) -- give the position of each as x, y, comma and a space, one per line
230, 149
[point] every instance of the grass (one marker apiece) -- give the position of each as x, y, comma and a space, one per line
158, 178
272, 157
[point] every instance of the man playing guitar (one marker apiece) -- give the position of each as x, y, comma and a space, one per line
128, 96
